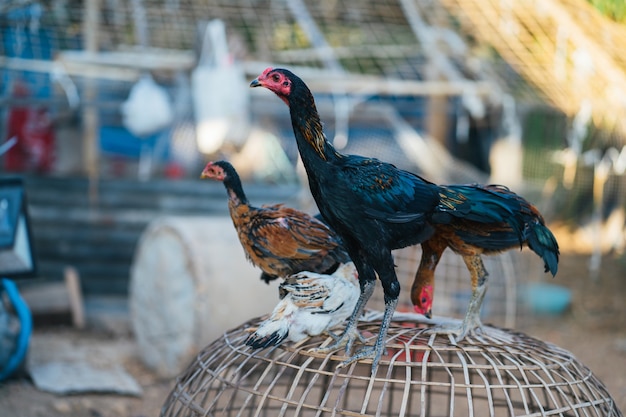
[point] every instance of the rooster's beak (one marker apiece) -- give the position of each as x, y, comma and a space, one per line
429, 314
203, 175
255, 83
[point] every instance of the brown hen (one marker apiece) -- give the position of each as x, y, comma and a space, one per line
280, 240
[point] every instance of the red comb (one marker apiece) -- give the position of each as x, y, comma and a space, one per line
267, 71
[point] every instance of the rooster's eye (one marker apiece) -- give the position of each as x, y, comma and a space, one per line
275, 77
423, 300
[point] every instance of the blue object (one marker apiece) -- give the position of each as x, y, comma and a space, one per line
26, 327
543, 298
11, 197
20, 40
117, 140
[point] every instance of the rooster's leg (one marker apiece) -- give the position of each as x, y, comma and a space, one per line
471, 321
350, 333
375, 352
479, 275
391, 287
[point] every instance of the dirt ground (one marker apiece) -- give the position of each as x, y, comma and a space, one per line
594, 330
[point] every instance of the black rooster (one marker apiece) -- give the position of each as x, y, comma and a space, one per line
376, 208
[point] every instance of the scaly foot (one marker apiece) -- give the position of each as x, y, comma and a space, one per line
459, 331
369, 352
344, 341
469, 325
471, 321
337, 337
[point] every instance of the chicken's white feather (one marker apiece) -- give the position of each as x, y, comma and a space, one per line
311, 304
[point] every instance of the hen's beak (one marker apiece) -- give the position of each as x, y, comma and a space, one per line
429, 314
256, 83
204, 174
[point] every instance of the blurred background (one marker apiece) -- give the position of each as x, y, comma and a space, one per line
109, 110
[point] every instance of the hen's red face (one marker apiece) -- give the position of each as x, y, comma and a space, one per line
425, 302
213, 171
275, 81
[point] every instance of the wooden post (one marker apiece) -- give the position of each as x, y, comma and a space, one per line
441, 68
75, 296
437, 123
91, 24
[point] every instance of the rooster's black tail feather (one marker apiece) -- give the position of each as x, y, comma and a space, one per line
541, 241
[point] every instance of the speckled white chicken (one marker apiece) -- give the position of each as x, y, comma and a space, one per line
310, 304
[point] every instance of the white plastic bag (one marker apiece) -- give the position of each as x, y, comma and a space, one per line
147, 109
220, 93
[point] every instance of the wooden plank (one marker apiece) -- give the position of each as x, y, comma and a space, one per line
77, 307
56, 302
144, 58
46, 298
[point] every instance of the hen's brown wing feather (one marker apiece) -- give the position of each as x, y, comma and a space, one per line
282, 240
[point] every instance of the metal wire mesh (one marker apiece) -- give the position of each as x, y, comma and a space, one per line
393, 39
45, 45
558, 45
495, 373
367, 37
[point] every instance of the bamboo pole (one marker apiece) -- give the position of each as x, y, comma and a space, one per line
91, 23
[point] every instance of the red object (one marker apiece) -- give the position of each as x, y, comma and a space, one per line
413, 355
174, 171
32, 127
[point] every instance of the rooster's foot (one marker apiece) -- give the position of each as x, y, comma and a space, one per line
337, 337
469, 326
344, 341
471, 322
458, 331
375, 352
369, 352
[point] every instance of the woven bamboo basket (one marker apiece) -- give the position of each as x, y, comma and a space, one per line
495, 372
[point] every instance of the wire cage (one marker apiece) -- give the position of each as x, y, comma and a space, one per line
89, 55
392, 52
494, 373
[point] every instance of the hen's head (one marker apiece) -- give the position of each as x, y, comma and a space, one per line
215, 170
278, 80
424, 304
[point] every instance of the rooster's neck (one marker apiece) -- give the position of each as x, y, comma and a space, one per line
236, 195
238, 205
307, 127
